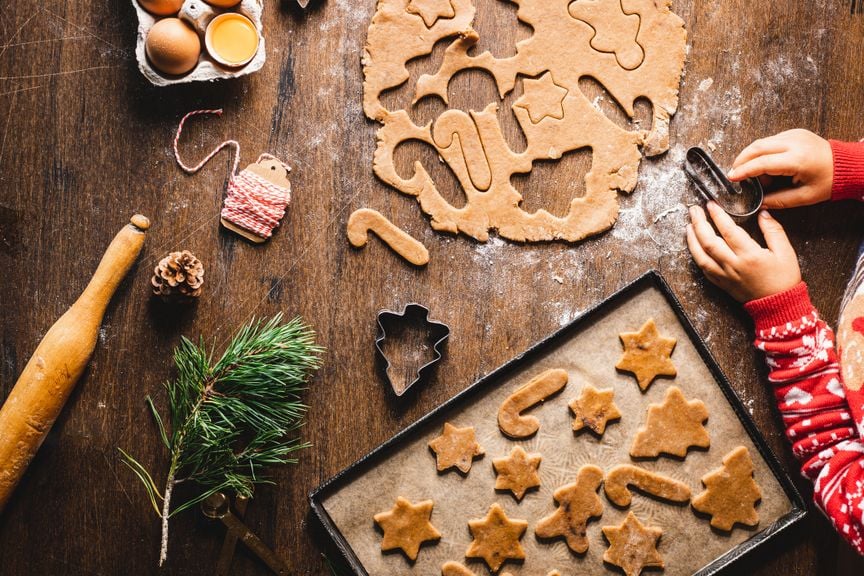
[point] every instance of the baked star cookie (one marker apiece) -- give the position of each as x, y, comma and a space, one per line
672, 427
406, 527
632, 546
647, 354
594, 409
496, 538
518, 472
577, 504
731, 493
456, 447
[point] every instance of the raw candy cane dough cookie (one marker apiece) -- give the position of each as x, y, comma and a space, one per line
517, 473
456, 447
594, 409
634, 53
510, 420
496, 538
633, 546
407, 526
577, 504
657, 485
731, 493
647, 354
672, 427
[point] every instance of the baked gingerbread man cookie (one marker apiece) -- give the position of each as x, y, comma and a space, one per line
672, 427
731, 493
647, 354
577, 504
517, 472
456, 447
406, 527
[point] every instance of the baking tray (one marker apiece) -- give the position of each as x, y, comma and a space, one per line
403, 466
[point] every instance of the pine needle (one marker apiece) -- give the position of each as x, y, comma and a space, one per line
232, 419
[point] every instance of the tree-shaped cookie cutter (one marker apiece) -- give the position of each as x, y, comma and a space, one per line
412, 314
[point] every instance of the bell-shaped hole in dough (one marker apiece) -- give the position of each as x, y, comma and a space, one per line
498, 26
445, 180
552, 184
606, 103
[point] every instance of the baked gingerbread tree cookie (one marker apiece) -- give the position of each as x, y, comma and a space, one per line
633, 546
496, 538
517, 472
731, 493
634, 53
577, 504
647, 354
672, 427
456, 448
406, 527
593, 409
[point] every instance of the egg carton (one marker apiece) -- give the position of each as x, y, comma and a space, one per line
198, 14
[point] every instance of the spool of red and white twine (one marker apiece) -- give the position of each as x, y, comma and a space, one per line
251, 202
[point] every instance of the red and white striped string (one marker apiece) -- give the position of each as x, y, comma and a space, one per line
252, 203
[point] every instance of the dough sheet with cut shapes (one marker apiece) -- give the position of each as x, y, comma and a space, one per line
633, 48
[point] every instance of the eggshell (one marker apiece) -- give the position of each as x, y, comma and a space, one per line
223, 3
161, 7
173, 47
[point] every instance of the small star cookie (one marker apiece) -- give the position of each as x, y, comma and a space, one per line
431, 10
594, 409
672, 427
542, 98
632, 546
406, 527
456, 447
577, 504
517, 472
646, 354
496, 538
731, 493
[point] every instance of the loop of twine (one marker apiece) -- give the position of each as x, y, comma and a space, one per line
251, 202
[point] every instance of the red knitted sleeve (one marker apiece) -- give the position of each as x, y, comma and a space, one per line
848, 170
805, 374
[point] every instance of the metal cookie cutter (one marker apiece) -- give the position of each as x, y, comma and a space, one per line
412, 315
740, 200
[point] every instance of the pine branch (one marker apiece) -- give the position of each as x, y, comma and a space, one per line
232, 419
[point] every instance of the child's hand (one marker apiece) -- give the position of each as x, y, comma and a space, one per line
737, 263
805, 159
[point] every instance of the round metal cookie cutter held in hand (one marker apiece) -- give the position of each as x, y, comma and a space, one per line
740, 200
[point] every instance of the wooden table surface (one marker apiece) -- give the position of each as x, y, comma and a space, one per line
85, 142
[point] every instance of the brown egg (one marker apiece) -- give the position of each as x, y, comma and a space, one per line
223, 3
161, 7
173, 47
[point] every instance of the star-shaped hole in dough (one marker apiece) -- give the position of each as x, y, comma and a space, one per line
431, 10
496, 538
518, 472
406, 527
456, 447
542, 98
633, 546
647, 354
594, 409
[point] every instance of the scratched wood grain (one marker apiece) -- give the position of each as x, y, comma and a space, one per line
85, 142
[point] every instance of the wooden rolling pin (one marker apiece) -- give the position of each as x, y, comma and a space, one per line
59, 360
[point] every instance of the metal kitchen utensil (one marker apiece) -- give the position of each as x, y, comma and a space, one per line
218, 507
740, 200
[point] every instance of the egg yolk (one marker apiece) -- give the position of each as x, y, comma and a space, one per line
233, 38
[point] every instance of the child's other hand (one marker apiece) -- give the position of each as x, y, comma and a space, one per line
803, 158
737, 263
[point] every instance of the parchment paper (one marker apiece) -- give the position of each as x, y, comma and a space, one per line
589, 355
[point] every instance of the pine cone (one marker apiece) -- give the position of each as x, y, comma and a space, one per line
178, 277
